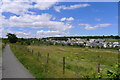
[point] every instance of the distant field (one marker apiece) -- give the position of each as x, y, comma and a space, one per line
113, 40
80, 62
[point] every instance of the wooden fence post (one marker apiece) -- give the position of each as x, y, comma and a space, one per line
98, 68
47, 58
63, 65
32, 50
38, 55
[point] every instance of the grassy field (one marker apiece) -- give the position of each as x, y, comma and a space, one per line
80, 62
113, 40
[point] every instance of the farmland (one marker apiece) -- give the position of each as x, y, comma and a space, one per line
79, 62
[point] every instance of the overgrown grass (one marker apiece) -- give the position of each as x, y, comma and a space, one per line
80, 62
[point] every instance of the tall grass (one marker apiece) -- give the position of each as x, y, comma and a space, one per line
80, 62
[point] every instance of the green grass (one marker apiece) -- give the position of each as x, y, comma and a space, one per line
2, 45
80, 62
113, 40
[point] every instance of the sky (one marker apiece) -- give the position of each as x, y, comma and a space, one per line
35, 19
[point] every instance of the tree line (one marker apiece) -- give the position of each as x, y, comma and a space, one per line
12, 38
84, 37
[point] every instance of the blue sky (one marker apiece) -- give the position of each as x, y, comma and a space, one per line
60, 19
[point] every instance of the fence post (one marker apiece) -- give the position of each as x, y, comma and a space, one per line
38, 54
63, 65
32, 50
47, 58
98, 68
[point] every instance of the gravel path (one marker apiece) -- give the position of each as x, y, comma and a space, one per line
12, 68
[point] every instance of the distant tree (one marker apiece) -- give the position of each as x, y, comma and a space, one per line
12, 38
28, 42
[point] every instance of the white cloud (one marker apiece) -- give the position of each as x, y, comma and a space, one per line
21, 7
18, 8
89, 27
20, 34
44, 5
49, 33
63, 19
53, 25
59, 8
37, 34
67, 19
37, 21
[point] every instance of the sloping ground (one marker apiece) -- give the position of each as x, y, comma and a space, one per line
12, 68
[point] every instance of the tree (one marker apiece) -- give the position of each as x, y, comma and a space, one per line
12, 38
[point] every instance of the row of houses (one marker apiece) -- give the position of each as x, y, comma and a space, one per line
87, 42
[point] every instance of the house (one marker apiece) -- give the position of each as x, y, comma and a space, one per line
110, 44
116, 44
93, 44
105, 44
100, 44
